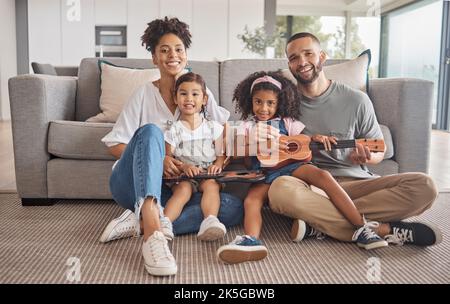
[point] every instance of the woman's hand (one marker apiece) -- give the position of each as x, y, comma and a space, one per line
325, 140
214, 169
191, 170
172, 166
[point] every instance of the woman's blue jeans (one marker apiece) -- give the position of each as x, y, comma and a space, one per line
138, 175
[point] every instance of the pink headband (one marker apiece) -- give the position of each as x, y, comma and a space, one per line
266, 79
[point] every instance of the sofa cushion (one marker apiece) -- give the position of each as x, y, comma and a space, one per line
117, 85
81, 140
78, 140
70, 178
43, 68
235, 70
88, 87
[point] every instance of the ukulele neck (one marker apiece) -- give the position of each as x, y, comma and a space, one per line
340, 144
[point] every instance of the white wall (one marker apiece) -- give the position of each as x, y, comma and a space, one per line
140, 12
61, 32
77, 32
110, 12
242, 13
214, 25
8, 58
44, 31
209, 28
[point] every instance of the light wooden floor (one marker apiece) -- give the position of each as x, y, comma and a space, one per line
439, 164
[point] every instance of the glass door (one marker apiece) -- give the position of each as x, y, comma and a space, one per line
411, 44
443, 103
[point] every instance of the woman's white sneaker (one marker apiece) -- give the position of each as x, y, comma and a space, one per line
122, 227
158, 260
211, 229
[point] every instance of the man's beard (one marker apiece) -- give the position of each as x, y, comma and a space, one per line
315, 74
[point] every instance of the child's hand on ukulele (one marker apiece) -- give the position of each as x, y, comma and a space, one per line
191, 170
214, 169
262, 132
325, 140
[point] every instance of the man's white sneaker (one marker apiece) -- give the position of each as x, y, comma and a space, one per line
122, 227
158, 260
166, 228
211, 229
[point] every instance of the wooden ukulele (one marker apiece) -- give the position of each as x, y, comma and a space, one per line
242, 176
299, 148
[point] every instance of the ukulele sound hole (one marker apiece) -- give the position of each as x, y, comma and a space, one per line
292, 147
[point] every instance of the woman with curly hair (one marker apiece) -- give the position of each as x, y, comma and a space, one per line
271, 100
137, 141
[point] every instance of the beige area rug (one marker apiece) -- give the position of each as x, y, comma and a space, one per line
45, 244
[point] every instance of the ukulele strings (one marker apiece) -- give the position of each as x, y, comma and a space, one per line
341, 144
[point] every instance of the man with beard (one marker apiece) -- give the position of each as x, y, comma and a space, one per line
335, 109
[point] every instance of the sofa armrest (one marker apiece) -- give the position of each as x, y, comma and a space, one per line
405, 106
36, 100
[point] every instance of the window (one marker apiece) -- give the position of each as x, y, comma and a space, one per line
364, 34
367, 36
412, 43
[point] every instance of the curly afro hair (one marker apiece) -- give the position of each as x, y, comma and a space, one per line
159, 27
288, 96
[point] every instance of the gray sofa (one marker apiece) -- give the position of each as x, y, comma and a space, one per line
59, 156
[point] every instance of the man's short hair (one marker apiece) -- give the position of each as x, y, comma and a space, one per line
303, 35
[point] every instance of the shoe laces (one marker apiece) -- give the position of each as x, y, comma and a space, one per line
239, 239
317, 234
400, 236
367, 231
165, 222
159, 249
126, 226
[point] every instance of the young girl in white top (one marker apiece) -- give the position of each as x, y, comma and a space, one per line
197, 142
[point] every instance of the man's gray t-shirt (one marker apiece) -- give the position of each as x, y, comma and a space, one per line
346, 114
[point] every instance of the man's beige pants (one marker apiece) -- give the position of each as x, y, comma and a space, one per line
383, 199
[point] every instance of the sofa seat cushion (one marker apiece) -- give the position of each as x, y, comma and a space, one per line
82, 140
78, 140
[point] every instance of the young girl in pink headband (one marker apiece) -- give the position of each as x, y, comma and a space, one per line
269, 98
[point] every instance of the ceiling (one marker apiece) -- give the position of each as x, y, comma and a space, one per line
337, 7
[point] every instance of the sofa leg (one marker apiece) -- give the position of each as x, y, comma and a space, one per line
38, 202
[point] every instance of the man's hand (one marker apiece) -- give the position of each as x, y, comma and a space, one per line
214, 169
325, 140
360, 155
172, 166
